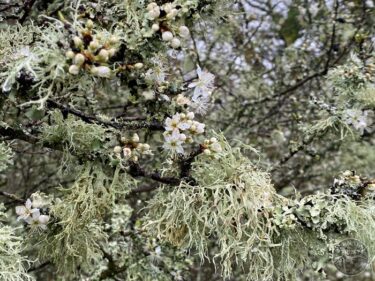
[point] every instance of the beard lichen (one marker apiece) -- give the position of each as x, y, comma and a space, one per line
231, 203
255, 230
75, 135
76, 237
12, 263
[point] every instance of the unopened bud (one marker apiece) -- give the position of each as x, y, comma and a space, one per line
167, 36
89, 24
135, 138
78, 43
117, 149
138, 65
155, 27
184, 31
70, 54
103, 55
79, 59
176, 43
73, 69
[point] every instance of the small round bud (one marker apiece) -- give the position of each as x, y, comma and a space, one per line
168, 7
184, 31
103, 55
182, 137
114, 39
78, 43
123, 140
89, 24
216, 147
79, 59
73, 69
172, 14
167, 36
182, 115
155, 27
154, 13
70, 54
146, 146
94, 45
151, 6
213, 140
176, 43
138, 65
127, 152
117, 149
135, 138
112, 52
190, 115
103, 71
207, 152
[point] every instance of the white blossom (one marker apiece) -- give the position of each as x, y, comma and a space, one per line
204, 86
38, 221
173, 142
358, 119
24, 212
172, 124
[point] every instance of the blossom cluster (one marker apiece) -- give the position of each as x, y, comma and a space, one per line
30, 213
91, 52
131, 148
181, 129
160, 14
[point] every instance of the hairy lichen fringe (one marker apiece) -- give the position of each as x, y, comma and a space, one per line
234, 203
77, 237
12, 263
225, 204
76, 135
6, 156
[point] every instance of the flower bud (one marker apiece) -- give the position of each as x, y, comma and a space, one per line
146, 146
78, 43
172, 14
213, 140
155, 27
117, 149
138, 65
135, 138
70, 54
190, 115
94, 45
167, 36
89, 24
79, 59
127, 152
207, 152
151, 6
184, 31
182, 137
123, 140
103, 55
168, 7
114, 39
104, 71
154, 13
73, 69
176, 43
112, 52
